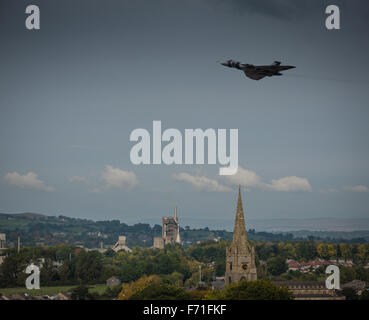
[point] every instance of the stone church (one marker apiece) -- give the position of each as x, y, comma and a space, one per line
240, 255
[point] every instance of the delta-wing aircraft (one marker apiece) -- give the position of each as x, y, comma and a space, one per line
258, 72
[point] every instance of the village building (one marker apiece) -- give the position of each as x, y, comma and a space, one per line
170, 232
2, 247
309, 290
2, 241
112, 282
158, 243
306, 266
218, 283
121, 245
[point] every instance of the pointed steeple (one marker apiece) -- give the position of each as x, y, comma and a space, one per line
239, 233
240, 255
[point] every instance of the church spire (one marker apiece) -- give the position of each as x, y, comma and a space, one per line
240, 255
239, 233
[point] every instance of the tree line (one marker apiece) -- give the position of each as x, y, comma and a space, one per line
176, 265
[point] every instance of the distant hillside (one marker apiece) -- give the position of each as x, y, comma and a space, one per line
311, 224
284, 224
38, 230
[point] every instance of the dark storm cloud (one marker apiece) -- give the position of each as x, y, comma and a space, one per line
113, 10
281, 9
98, 69
297, 9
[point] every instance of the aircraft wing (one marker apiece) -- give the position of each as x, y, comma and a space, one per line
254, 76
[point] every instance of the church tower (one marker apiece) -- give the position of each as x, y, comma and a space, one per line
240, 256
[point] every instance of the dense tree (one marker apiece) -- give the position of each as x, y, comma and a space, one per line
65, 271
332, 250
348, 274
12, 270
305, 250
81, 293
350, 294
175, 265
363, 252
110, 253
63, 252
109, 270
174, 278
276, 266
207, 275
220, 266
112, 292
48, 274
365, 294
89, 266
250, 290
129, 289
345, 251
161, 291
327, 251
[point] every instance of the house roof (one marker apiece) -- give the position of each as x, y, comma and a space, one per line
309, 284
355, 284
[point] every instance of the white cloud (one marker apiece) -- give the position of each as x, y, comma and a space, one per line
289, 184
201, 182
27, 181
78, 179
250, 179
117, 178
245, 178
359, 188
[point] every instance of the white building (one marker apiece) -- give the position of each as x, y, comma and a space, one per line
2, 241
2, 246
121, 245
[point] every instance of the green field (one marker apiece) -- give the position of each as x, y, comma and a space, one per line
49, 291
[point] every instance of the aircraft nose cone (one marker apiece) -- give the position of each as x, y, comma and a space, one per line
224, 64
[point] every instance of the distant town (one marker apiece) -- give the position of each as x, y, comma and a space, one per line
82, 260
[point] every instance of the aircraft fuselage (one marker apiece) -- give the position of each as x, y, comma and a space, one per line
258, 72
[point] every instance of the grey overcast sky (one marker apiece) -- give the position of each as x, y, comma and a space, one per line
72, 92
